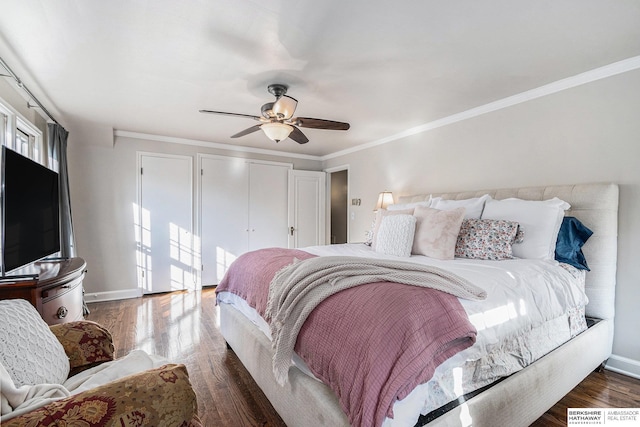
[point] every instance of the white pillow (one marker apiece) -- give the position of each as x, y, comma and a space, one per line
473, 207
540, 221
380, 215
395, 235
29, 351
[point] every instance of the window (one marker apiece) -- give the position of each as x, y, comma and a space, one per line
19, 134
28, 140
22, 142
6, 116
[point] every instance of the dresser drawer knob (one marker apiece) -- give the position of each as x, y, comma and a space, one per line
62, 312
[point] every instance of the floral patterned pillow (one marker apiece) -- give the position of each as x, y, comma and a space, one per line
86, 343
489, 239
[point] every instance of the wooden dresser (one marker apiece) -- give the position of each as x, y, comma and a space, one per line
54, 289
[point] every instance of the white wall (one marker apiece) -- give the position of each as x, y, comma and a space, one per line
103, 176
590, 133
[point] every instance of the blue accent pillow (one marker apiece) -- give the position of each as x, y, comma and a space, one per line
572, 235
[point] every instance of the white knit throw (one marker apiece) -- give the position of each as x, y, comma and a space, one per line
298, 288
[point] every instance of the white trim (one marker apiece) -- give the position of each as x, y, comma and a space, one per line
269, 162
623, 365
112, 295
337, 168
30, 129
217, 145
10, 112
246, 160
27, 127
619, 67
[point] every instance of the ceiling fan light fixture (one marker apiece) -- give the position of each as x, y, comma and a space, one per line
284, 107
276, 131
277, 121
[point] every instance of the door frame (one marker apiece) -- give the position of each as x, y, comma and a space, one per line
321, 178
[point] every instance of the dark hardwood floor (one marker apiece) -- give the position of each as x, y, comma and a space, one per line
599, 390
183, 327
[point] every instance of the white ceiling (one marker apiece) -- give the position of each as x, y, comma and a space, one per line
148, 66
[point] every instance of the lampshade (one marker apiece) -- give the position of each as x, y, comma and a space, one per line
285, 106
276, 131
384, 199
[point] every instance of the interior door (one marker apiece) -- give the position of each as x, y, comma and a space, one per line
339, 223
306, 208
224, 199
165, 223
268, 196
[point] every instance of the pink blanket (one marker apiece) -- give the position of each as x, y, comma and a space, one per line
372, 344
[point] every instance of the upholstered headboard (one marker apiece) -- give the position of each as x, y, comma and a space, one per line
596, 205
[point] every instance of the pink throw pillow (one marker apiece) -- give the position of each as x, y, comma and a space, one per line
437, 232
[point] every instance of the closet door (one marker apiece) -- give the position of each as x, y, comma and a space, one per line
165, 230
268, 220
224, 198
306, 208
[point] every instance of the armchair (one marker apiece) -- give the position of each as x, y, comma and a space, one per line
159, 394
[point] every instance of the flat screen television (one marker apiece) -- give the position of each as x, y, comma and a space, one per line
30, 211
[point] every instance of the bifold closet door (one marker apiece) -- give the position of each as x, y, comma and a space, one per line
224, 230
166, 245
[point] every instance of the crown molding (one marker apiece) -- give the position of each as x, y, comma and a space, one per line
610, 70
216, 145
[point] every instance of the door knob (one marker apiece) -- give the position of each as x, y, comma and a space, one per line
291, 229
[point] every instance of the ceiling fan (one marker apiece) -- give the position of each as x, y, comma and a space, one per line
277, 121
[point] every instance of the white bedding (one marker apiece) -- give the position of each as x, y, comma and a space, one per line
532, 306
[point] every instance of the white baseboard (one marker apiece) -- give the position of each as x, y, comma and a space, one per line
624, 365
112, 295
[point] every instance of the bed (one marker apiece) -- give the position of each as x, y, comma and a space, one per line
517, 398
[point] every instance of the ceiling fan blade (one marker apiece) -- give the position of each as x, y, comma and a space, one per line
307, 122
230, 114
285, 106
246, 131
297, 135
